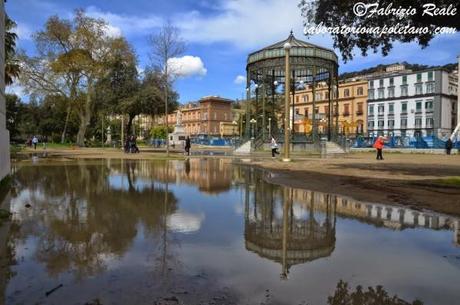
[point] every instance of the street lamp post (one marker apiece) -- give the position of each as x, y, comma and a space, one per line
287, 86
248, 97
269, 127
252, 122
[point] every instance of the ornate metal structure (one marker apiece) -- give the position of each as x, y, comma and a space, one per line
310, 65
285, 230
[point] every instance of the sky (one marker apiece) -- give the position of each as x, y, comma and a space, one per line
219, 35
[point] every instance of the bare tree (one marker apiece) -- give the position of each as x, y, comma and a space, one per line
166, 44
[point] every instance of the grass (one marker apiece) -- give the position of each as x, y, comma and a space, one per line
452, 181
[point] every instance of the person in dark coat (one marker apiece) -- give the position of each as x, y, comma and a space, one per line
449, 146
188, 145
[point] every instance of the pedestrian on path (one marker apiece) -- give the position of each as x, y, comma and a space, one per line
188, 146
449, 146
274, 147
35, 142
378, 145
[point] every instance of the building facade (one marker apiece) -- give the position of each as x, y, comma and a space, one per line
205, 117
351, 108
422, 103
4, 133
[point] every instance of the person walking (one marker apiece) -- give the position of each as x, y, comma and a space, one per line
274, 147
45, 142
449, 146
378, 145
35, 142
188, 145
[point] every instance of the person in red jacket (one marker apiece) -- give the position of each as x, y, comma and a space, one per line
378, 145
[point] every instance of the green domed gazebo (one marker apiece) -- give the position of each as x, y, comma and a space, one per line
310, 65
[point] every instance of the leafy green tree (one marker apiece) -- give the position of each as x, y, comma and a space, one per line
73, 55
335, 13
11, 63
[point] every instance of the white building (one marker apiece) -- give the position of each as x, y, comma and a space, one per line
418, 103
4, 134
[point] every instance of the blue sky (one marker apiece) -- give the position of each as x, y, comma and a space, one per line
219, 35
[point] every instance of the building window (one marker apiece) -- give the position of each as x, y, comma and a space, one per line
418, 106
429, 106
360, 91
391, 123
316, 110
429, 122
430, 76
305, 98
360, 109
297, 99
306, 111
371, 110
381, 109
418, 89
371, 94
403, 123
370, 124
404, 80
392, 81
404, 107
418, 122
346, 92
326, 95
317, 96
381, 123
297, 111
404, 90
326, 110
381, 93
419, 77
430, 87
391, 92
381, 83
346, 111
391, 108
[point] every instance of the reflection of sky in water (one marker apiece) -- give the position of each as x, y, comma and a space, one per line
410, 262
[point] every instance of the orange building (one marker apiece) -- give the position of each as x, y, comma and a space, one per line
204, 116
352, 108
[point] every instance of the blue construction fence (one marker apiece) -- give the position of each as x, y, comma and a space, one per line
405, 142
208, 141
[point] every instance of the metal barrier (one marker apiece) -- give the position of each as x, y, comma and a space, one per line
404, 142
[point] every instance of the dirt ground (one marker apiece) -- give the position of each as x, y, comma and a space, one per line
408, 179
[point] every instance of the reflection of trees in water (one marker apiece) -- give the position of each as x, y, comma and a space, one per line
284, 231
343, 295
80, 220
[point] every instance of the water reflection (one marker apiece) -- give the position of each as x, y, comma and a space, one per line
130, 231
285, 231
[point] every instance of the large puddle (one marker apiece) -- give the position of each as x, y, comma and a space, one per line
204, 231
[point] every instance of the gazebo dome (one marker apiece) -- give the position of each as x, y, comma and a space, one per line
298, 48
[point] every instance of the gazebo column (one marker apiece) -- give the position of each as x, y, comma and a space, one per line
313, 114
248, 97
336, 107
329, 107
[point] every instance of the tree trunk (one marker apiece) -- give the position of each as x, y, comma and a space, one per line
64, 132
85, 117
130, 124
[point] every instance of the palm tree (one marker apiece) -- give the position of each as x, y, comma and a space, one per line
11, 63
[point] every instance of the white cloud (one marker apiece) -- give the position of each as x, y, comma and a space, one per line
23, 31
126, 24
112, 31
15, 89
247, 24
240, 79
187, 66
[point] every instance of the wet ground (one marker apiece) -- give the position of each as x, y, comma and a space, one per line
205, 231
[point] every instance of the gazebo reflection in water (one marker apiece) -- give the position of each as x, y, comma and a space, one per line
286, 231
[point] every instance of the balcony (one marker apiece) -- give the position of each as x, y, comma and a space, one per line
346, 113
359, 112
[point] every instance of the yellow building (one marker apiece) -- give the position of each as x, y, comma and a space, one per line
352, 108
